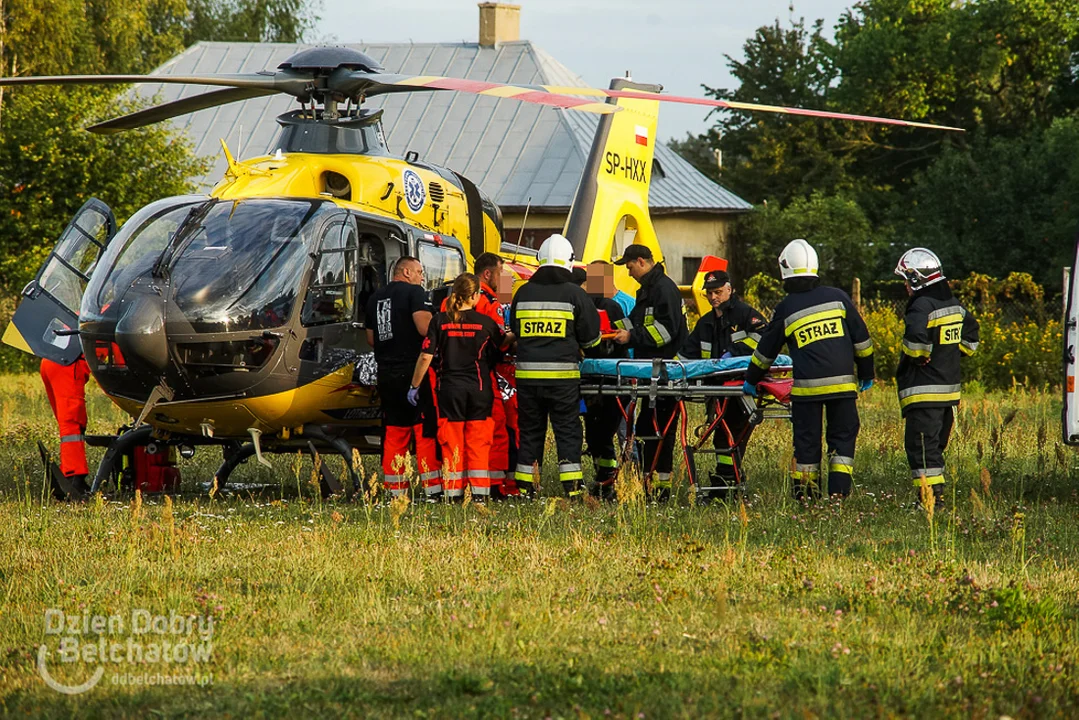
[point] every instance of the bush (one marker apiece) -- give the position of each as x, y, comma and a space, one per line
1020, 344
1021, 339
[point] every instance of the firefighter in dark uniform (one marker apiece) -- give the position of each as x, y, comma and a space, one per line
464, 345
833, 361
733, 329
397, 317
553, 320
658, 329
938, 333
602, 414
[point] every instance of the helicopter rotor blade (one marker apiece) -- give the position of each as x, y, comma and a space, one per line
289, 82
371, 84
749, 107
169, 110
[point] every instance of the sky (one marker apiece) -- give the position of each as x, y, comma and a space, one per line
679, 44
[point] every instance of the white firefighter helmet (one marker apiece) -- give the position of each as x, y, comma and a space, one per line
556, 250
798, 259
919, 267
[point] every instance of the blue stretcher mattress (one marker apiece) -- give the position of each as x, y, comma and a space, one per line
676, 369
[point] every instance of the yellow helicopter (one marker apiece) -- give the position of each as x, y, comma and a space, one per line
236, 318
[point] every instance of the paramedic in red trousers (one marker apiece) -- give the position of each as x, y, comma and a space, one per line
397, 317
463, 345
832, 353
938, 332
554, 320
733, 328
488, 270
65, 386
658, 329
602, 414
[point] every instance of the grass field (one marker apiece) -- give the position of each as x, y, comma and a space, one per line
869, 608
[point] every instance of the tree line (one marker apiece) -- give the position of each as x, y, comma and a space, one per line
1001, 198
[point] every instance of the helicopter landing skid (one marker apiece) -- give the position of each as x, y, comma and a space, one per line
329, 484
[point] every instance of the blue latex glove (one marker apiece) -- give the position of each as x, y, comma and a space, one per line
583, 408
414, 396
749, 389
864, 385
725, 355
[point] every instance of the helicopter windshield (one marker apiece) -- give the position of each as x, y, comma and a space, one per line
134, 250
239, 265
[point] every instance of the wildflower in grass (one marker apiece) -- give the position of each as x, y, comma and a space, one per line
928, 497
398, 507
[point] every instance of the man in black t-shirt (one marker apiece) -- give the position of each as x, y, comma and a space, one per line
397, 317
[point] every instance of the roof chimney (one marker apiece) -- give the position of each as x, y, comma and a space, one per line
499, 23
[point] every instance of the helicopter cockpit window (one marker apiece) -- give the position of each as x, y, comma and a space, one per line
134, 251
441, 264
331, 296
68, 271
238, 264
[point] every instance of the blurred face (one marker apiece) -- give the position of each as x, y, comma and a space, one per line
600, 280
504, 287
718, 296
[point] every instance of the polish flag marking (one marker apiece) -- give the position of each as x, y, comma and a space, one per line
641, 135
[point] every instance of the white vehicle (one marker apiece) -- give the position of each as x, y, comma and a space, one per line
1070, 419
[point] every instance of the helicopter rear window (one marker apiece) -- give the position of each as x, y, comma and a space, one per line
441, 264
240, 265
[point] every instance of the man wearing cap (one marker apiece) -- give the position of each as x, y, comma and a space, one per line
733, 328
657, 330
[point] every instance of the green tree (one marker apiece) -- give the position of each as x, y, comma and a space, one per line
49, 167
781, 157
1006, 205
286, 21
835, 225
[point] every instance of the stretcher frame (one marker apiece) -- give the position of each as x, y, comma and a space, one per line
715, 390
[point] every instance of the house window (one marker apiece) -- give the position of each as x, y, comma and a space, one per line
690, 265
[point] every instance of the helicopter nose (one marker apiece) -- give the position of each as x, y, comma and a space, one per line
140, 332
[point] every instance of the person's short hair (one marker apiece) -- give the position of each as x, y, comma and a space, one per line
599, 262
401, 262
486, 261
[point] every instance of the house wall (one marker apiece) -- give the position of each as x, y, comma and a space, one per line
682, 235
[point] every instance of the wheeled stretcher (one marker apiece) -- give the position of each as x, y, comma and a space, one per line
714, 383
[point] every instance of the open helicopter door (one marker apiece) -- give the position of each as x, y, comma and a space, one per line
47, 320
1071, 347
610, 209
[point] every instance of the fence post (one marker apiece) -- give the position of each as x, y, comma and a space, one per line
856, 294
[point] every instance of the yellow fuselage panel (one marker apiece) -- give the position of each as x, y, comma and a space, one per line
383, 186
622, 182
269, 413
